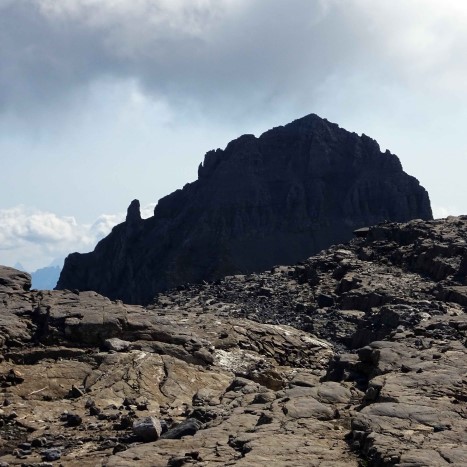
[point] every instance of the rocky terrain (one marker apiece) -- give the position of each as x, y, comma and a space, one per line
354, 357
276, 199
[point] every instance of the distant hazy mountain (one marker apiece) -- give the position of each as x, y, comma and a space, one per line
45, 278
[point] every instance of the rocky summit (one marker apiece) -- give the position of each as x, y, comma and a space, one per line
276, 199
354, 357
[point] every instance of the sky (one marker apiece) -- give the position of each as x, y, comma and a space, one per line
105, 101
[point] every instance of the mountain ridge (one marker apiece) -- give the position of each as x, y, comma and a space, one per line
275, 199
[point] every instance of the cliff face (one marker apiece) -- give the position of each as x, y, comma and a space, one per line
276, 199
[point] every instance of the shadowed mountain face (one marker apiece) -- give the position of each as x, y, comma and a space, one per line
276, 199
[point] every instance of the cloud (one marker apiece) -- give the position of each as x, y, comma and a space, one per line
440, 212
216, 54
116, 99
35, 238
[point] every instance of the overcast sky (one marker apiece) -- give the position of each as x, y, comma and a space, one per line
104, 101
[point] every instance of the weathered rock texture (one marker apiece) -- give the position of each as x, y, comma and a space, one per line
275, 199
214, 375
93, 382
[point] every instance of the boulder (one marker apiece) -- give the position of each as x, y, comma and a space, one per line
147, 429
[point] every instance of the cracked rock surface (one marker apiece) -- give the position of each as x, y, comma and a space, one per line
355, 357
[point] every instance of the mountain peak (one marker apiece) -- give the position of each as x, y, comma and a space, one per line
275, 199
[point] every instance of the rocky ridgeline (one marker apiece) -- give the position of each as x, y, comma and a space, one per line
276, 199
354, 357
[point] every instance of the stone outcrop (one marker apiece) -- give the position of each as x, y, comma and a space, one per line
356, 356
276, 199
86, 381
12, 280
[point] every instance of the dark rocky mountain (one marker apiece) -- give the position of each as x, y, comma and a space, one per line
372, 373
275, 199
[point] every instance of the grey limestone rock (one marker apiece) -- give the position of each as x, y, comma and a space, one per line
116, 344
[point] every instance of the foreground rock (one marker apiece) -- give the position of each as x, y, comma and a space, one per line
276, 199
147, 429
372, 373
213, 389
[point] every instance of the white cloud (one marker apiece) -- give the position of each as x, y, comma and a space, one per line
422, 41
36, 238
440, 212
103, 225
148, 210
